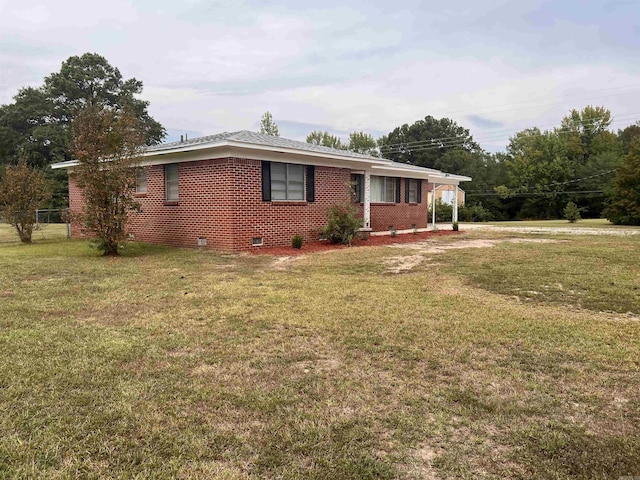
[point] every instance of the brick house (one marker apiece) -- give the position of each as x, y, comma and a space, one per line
242, 190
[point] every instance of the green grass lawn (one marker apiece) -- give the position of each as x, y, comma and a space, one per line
586, 223
176, 363
44, 232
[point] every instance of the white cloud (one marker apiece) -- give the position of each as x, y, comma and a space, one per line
213, 66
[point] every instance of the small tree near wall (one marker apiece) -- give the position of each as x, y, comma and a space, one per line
108, 144
22, 191
342, 223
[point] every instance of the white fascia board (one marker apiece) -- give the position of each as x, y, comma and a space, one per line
405, 172
185, 148
447, 179
67, 164
459, 178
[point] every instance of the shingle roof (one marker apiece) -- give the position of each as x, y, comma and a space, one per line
254, 138
382, 165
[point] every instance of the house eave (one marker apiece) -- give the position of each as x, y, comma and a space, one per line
231, 148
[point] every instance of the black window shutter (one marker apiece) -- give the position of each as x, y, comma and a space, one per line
419, 191
398, 183
406, 190
266, 181
311, 183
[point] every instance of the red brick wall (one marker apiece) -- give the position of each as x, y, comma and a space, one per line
277, 222
204, 209
221, 200
76, 201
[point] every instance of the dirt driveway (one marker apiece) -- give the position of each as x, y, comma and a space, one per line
553, 230
423, 250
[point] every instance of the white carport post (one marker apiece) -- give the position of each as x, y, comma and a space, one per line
367, 199
455, 206
433, 206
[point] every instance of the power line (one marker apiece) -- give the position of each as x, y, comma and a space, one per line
432, 144
553, 184
497, 133
533, 194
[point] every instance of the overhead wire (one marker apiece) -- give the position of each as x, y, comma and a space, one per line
553, 184
449, 142
491, 134
534, 194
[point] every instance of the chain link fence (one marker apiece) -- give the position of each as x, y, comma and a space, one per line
50, 223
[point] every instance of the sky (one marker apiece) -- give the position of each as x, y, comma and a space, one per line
494, 66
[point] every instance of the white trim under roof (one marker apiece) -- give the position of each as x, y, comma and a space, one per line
225, 148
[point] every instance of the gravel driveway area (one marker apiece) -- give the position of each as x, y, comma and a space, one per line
553, 230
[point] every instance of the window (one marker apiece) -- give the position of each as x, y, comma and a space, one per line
413, 190
171, 182
141, 181
287, 181
447, 196
383, 189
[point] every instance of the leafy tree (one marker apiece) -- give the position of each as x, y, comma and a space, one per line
581, 155
108, 144
625, 204
29, 131
325, 139
627, 135
89, 80
268, 126
426, 141
37, 125
538, 166
363, 143
593, 151
22, 190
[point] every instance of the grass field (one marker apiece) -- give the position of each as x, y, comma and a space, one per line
586, 223
45, 232
516, 361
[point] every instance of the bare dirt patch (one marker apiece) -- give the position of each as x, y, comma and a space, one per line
406, 263
421, 463
402, 263
428, 247
282, 263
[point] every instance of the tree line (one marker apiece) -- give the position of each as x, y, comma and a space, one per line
583, 162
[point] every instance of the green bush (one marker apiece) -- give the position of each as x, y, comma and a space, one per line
296, 241
572, 212
342, 223
444, 211
456, 227
475, 213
